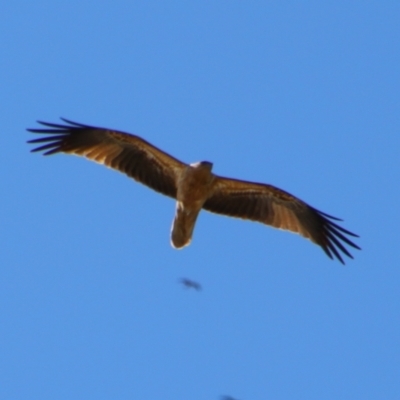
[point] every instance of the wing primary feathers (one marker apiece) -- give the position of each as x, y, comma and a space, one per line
53, 125
326, 215
54, 142
55, 149
59, 127
47, 131
327, 252
342, 229
334, 235
342, 237
46, 139
68, 121
335, 252
75, 123
338, 244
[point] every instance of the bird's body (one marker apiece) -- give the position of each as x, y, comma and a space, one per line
194, 186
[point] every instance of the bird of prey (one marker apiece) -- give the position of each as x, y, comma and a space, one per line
194, 186
189, 284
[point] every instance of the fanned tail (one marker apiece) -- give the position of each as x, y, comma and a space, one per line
182, 226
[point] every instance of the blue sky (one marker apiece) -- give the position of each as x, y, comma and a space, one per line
301, 95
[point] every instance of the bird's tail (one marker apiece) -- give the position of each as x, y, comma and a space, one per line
182, 226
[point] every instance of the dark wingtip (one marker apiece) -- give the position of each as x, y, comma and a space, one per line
54, 134
327, 215
56, 126
68, 121
334, 239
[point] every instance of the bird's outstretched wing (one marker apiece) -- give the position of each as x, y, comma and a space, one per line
277, 208
121, 151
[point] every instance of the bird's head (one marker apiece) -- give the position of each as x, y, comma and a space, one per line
203, 165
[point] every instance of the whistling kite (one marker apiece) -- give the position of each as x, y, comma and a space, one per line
189, 284
194, 186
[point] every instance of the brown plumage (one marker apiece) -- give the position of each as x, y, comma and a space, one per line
194, 186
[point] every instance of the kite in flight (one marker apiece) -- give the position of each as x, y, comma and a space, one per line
189, 284
194, 186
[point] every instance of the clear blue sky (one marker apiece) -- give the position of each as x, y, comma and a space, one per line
301, 95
